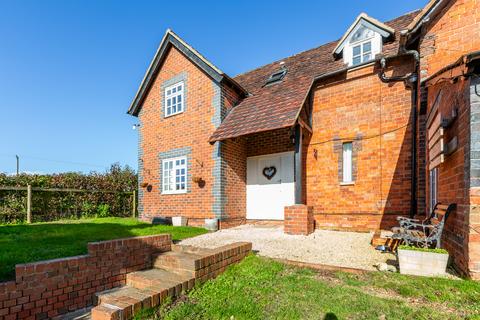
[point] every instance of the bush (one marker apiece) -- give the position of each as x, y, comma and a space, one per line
49, 205
103, 211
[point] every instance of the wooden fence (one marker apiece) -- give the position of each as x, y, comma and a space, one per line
30, 190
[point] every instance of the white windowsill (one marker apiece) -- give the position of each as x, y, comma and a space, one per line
349, 183
173, 114
174, 192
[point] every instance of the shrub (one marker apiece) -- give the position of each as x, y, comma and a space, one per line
103, 211
49, 205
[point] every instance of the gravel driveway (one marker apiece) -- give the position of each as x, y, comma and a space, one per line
344, 249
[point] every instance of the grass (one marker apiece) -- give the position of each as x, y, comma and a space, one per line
259, 288
43, 241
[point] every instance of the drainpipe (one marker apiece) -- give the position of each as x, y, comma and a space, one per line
410, 80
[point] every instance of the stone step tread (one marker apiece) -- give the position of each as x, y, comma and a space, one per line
192, 249
158, 275
173, 260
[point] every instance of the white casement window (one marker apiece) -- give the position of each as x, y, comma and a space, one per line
433, 187
362, 46
174, 175
347, 162
174, 99
362, 52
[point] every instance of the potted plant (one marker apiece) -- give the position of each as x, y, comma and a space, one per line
422, 261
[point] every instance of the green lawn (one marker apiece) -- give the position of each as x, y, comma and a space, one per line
42, 241
259, 288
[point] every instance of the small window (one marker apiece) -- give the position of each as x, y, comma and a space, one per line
174, 99
347, 163
277, 76
362, 52
174, 175
433, 187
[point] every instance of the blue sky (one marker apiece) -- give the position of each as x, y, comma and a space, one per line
69, 69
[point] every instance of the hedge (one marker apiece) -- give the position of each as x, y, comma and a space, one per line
48, 206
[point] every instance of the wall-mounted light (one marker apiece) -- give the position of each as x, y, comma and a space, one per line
136, 126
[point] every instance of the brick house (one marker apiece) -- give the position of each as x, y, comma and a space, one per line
334, 137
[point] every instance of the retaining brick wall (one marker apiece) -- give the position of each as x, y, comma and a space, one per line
50, 288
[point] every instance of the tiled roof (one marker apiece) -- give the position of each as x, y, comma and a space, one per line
277, 106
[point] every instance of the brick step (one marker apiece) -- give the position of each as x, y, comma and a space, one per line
175, 272
160, 278
192, 249
178, 261
125, 302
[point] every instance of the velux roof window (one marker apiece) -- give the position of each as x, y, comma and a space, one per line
276, 77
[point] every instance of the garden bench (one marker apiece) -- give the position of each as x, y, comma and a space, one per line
424, 232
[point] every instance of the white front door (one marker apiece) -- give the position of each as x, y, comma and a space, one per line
270, 185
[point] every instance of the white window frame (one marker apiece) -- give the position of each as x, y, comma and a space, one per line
362, 52
347, 162
170, 175
376, 46
433, 188
174, 98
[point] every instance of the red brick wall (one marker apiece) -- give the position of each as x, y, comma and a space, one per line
358, 107
235, 156
453, 177
451, 34
299, 220
206, 102
269, 142
191, 128
47, 289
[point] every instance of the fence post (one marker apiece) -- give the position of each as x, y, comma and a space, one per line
134, 204
29, 203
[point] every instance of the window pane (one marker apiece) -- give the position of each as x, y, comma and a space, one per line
347, 162
356, 60
174, 90
179, 88
169, 92
367, 47
356, 50
367, 57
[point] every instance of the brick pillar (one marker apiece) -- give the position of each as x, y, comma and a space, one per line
298, 220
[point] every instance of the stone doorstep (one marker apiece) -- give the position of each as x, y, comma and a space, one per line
175, 272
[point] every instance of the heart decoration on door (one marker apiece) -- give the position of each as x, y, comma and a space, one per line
269, 172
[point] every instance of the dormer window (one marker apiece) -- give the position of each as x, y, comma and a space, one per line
362, 41
361, 45
276, 77
362, 52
